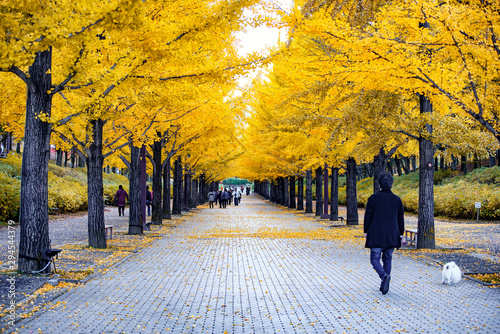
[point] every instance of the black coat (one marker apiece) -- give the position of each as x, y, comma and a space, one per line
384, 220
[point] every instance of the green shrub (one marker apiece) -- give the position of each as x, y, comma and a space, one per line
454, 195
67, 187
487, 175
10, 190
67, 194
441, 175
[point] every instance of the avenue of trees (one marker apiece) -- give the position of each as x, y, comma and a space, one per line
357, 83
365, 82
107, 78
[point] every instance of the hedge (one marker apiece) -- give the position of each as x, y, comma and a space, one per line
67, 187
454, 194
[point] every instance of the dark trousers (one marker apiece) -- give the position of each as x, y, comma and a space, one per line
211, 204
236, 201
386, 255
121, 210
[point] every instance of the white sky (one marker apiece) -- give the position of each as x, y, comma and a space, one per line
257, 39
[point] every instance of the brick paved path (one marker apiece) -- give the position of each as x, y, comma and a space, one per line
217, 284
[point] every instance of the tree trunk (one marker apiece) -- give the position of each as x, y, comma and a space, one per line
334, 195
378, 168
319, 191
426, 235
300, 193
95, 189
281, 191
167, 213
491, 160
66, 158
33, 215
309, 201
286, 195
73, 158
135, 225
194, 193
325, 193
59, 155
291, 201
351, 196
477, 162
414, 163
405, 164
203, 191
187, 191
397, 161
454, 163
463, 165
177, 204
156, 211
272, 191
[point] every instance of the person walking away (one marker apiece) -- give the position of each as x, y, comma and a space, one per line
211, 199
237, 197
383, 226
218, 198
224, 197
248, 190
230, 196
121, 197
149, 199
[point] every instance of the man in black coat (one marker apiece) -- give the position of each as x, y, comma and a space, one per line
383, 225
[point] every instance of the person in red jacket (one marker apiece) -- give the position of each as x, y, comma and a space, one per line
121, 197
383, 226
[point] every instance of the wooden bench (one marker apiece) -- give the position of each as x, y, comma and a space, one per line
411, 237
108, 229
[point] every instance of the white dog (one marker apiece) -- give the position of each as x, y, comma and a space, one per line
451, 273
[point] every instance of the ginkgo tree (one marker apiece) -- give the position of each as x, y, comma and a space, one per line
443, 51
30, 31
98, 47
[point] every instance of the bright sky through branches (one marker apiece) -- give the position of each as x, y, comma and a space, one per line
258, 39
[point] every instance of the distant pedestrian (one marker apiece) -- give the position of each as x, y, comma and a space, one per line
237, 197
211, 199
121, 197
383, 226
224, 196
248, 190
149, 198
230, 197
218, 198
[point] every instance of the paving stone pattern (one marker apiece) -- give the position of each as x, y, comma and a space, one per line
263, 285
468, 264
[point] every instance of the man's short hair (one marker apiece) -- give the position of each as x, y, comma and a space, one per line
385, 180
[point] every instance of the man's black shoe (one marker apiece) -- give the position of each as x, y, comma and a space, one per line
385, 284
